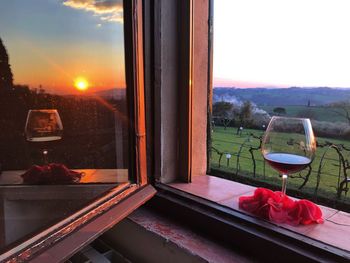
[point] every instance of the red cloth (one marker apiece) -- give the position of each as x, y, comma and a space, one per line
52, 173
280, 208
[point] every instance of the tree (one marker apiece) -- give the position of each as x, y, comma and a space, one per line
6, 77
280, 111
245, 114
222, 109
225, 111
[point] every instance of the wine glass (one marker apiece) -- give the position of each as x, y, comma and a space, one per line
288, 146
43, 126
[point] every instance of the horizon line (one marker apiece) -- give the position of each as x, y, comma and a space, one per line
276, 87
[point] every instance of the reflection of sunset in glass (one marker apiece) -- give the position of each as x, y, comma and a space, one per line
81, 84
52, 50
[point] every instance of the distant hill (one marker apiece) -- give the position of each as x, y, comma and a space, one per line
117, 93
283, 96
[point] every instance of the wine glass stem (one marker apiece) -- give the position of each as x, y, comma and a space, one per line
284, 183
45, 153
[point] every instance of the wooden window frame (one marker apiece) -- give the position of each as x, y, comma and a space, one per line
63, 239
179, 113
176, 65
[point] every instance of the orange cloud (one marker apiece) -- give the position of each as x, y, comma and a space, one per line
107, 10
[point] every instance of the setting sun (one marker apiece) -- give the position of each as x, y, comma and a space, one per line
81, 84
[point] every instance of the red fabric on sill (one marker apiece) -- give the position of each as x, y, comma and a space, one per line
52, 173
280, 208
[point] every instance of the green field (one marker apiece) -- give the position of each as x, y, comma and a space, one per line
226, 141
320, 113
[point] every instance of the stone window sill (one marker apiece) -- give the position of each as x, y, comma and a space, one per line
335, 231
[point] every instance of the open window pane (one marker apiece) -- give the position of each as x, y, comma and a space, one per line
63, 95
282, 59
64, 113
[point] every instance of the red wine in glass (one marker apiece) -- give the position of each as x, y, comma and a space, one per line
288, 145
287, 163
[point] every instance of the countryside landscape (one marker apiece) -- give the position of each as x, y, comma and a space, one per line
240, 116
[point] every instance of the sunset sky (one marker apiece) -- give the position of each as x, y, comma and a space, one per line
281, 43
54, 42
257, 43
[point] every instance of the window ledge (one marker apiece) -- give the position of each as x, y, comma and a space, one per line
335, 231
91, 176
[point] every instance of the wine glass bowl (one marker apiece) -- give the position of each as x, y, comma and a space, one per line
288, 145
43, 126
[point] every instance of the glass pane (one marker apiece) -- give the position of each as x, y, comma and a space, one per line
63, 113
282, 58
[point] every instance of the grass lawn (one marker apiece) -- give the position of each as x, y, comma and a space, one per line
228, 142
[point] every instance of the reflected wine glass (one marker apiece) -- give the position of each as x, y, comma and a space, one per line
43, 126
288, 146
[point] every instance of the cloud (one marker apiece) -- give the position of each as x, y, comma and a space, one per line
107, 10
118, 17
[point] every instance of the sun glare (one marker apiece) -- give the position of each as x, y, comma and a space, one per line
81, 84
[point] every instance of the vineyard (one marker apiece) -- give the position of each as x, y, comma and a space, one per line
238, 157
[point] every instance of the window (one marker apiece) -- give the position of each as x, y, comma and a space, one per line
67, 58
72, 143
209, 203
281, 59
